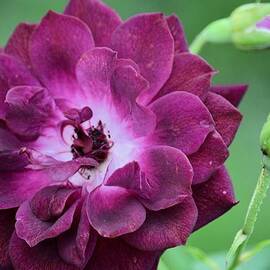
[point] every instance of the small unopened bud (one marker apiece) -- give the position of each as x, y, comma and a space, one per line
265, 138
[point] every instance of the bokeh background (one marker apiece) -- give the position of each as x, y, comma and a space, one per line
235, 66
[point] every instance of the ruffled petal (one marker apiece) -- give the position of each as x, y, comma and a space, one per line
101, 19
177, 31
166, 177
12, 73
12, 161
166, 228
54, 52
208, 158
120, 255
214, 197
227, 118
233, 93
183, 122
7, 221
114, 211
29, 111
190, 73
147, 40
18, 43
77, 245
42, 257
126, 85
34, 230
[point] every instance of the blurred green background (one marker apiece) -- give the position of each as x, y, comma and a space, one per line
235, 67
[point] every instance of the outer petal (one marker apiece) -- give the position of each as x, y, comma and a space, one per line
166, 228
77, 245
12, 161
12, 73
214, 197
208, 158
166, 179
233, 93
54, 51
126, 85
7, 221
114, 211
42, 257
101, 19
33, 230
177, 31
183, 122
147, 40
18, 43
120, 255
226, 116
191, 74
29, 110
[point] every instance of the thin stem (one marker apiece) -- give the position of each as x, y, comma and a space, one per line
244, 234
198, 43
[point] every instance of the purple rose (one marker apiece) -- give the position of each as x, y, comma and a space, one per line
112, 141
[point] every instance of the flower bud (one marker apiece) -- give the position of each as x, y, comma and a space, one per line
251, 26
265, 138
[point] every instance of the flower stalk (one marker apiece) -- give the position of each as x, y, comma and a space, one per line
242, 237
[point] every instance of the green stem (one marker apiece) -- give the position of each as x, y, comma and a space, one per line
198, 43
244, 234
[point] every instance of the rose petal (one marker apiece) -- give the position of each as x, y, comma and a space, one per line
33, 230
7, 222
18, 43
120, 255
233, 93
177, 31
167, 177
29, 110
146, 39
225, 115
42, 257
77, 245
166, 228
101, 19
12, 161
183, 122
190, 73
114, 211
214, 197
50, 202
208, 158
54, 51
12, 73
126, 85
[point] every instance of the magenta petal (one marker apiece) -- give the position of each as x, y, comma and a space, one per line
177, 31
183, 122
18, 43
233, 93
166, 177
12, 161
33, 230
264, 24
17, 187
54, 51
7, 221
227, 118
101, 19
29, 110
147, 40
208, 158
50, 202
120, 255
214, 197
114, 211
126, 85
166, 228
42, 257
190, 73
12, 73
77, 245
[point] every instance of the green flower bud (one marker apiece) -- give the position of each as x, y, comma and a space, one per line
265, 138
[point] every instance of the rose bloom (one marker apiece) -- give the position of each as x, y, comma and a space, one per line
112, 141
